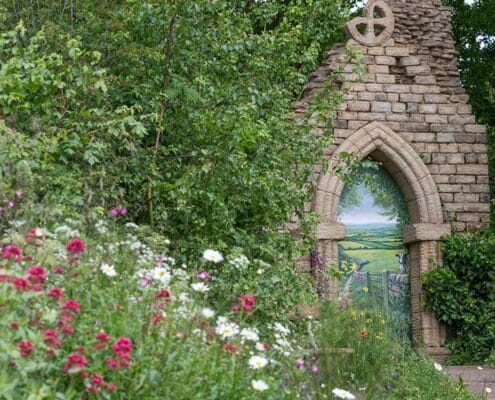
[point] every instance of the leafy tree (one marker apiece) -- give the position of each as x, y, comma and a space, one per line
474, 33
179, 110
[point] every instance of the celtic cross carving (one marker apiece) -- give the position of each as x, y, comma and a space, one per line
377, 21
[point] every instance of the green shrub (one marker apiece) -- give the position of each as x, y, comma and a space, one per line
461, 292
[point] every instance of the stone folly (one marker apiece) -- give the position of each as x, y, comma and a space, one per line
409, 112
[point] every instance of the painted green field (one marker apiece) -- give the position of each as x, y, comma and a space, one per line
378, 243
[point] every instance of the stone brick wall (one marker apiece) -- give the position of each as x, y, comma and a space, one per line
412, 85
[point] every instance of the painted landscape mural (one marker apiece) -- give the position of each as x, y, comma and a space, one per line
372, 259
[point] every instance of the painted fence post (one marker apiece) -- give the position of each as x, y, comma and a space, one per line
385, 278
368, 281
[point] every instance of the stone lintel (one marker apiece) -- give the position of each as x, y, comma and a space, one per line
330, 231
425, 232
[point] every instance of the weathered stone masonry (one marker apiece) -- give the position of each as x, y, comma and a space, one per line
410, 112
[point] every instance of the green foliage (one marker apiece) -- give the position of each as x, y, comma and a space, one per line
359, 352
181, 111
474, 33
461, 293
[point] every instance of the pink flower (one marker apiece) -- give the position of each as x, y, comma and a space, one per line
36, 274
12, 253
14, 325
58, 270
102, 337
300, 363
157, 319
56, 293
67, 330
93, 389
112, 364
123, 211
204, 275
72, 305
25, 348
20, 284
51, 337
98, 380
123, 348
111, 387
314, 368
75, 361
75, 246
247, 302
114, 212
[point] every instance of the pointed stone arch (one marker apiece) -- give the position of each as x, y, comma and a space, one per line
423, 235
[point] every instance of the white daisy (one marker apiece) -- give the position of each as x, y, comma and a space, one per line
200, 287
260, 346
257, 362
343, 394
213, 256
108, 270
227, 330
161, 275
259, 385
250, 334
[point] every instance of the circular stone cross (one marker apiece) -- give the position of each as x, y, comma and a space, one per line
378, 23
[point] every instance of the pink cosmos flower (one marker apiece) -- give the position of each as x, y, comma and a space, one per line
300, 363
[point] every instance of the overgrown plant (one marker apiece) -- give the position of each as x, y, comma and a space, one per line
461, 292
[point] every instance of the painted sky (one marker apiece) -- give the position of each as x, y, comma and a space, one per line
364, 213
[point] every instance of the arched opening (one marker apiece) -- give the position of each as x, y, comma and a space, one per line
373, 260
422, 235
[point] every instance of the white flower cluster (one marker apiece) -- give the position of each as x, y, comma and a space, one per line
108, 270
282, 344
66, 231
240, 262
101, 227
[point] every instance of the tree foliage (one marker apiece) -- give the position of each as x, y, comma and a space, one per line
179, 110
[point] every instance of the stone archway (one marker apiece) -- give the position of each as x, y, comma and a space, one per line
422, 236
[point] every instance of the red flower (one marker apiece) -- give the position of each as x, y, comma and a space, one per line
58, 270
157, 319
98, 380
12, 253
236, 307
122, 349
20, 284
266, 345
163, 294
112, 364
56, 293
363, 333
75, 246
14, 325
93, 389
36, 274
51, 337
75, 361
231, 348
67, 330
102, 337
72, 305
111, 387
25, 348
247, 302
